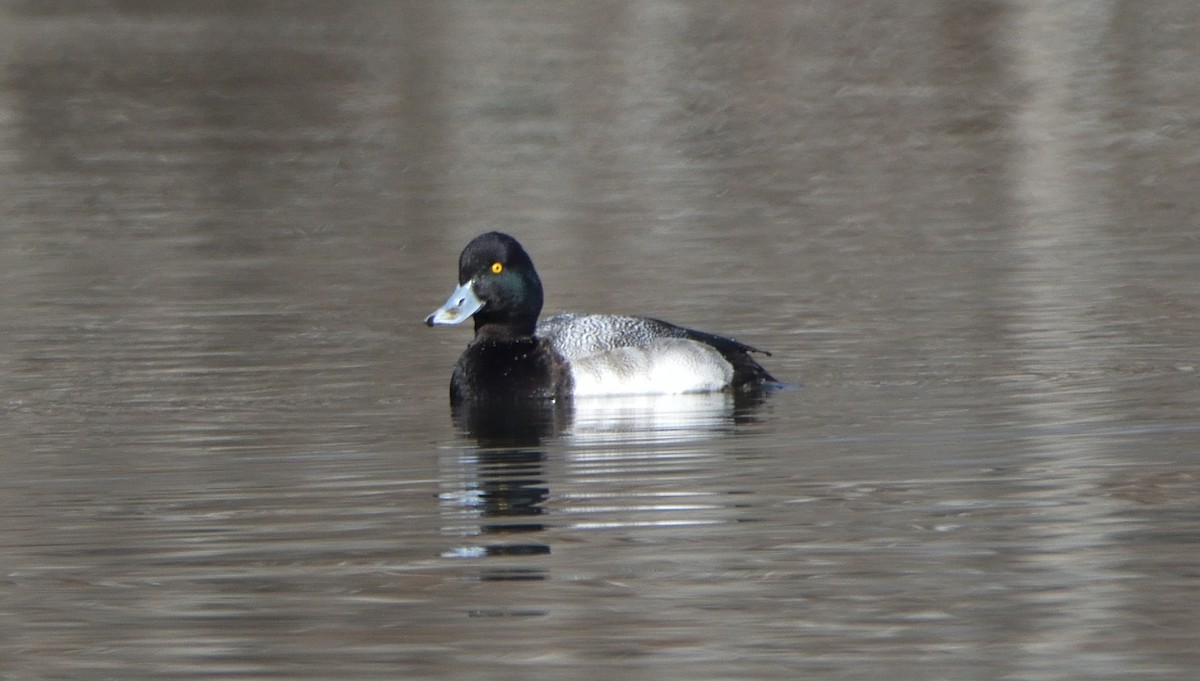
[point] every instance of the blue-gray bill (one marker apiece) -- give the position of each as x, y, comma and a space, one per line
458, 308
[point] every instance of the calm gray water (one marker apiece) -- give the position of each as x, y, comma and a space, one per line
967, 231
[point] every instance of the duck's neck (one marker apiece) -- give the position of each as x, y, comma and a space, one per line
512, 330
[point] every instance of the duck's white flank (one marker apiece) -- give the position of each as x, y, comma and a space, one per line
666, 366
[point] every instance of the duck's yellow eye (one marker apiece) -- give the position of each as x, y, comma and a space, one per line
497, 268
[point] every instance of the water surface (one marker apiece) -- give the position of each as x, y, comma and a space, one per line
966, 231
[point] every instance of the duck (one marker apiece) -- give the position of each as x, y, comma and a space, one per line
514, 356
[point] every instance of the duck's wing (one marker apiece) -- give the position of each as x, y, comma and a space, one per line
575, 336
578, 335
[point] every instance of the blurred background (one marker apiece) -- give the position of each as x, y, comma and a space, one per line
967, 231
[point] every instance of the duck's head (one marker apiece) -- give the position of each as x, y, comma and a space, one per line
497, 285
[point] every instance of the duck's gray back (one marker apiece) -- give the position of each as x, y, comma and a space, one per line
575, 336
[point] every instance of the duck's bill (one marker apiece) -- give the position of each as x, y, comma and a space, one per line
461, 305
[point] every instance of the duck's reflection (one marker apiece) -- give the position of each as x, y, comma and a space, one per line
498, 483
496, 487
512, 424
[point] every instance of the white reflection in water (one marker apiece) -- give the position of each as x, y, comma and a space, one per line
649, 461
661, 418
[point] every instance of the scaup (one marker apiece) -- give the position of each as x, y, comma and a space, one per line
513, 357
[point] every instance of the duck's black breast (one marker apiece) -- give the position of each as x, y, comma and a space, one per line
507, 368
